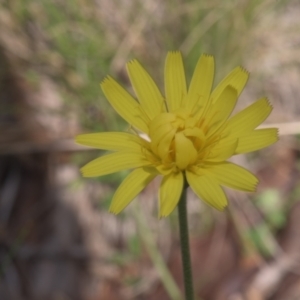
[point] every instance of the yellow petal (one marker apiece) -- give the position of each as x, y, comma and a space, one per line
131, 186
195, 132
222, 109
223, 150
114, 141
233, 176
169, 193
175, 83
185, 151
207, 189
114, 162
163, 147
146, 90
237, 78
124, 104
256, 140
249, 118
161, 131
201, 83
160, 126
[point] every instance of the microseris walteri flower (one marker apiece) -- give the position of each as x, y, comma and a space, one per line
190, 134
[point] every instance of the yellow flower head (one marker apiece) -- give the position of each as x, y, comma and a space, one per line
191, 134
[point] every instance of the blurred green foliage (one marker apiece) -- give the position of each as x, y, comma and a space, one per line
88, 39
271, 205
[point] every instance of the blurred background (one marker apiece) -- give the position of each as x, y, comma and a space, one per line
57, 239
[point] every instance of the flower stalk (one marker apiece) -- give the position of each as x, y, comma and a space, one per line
185, 247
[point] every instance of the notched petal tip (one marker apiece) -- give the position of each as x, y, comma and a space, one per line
275, 132
224, 207
106, 80
255, 186
267, 105
221, 209
85, 139
244, 70
131, 62
160, 216
268, 102
113, 211
174, 52
208, 55
218, 207
77, 138
83, 172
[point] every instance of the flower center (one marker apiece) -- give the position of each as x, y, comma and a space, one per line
176, 139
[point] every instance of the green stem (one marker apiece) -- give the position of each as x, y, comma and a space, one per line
185, 247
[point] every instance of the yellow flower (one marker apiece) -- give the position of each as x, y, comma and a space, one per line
191, 134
